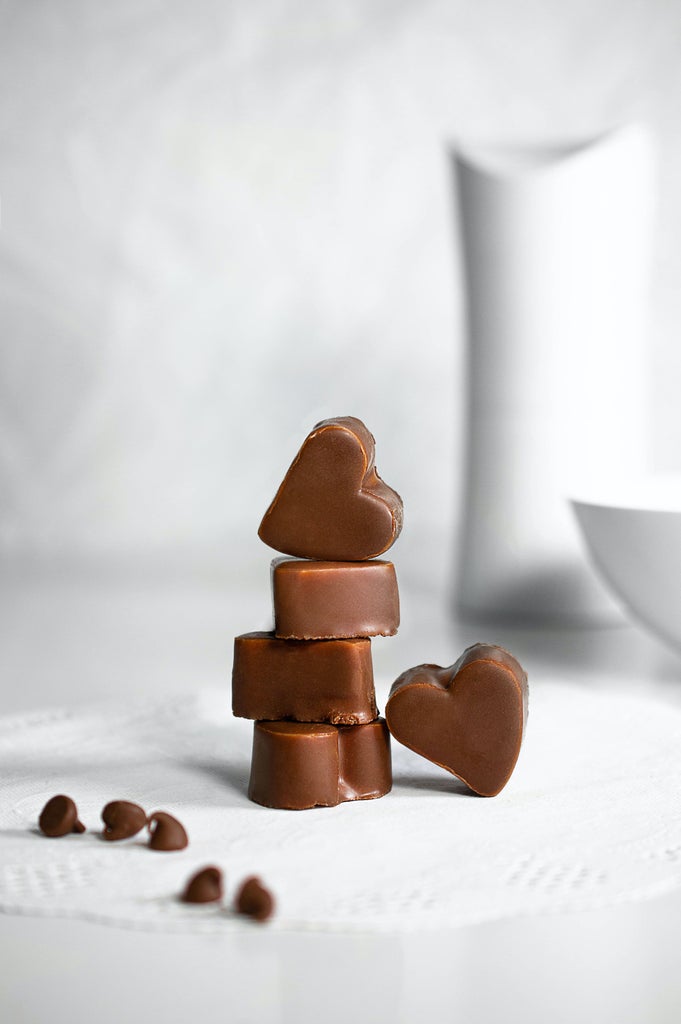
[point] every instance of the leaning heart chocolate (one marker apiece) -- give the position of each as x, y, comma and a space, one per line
469, 718
332, 504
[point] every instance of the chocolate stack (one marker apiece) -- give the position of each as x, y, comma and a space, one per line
309, 686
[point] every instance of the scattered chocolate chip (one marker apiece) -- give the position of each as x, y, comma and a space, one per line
168, 833
59, 816
254, 900
204, 887
122, 819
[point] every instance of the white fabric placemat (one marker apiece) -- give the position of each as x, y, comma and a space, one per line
590, 818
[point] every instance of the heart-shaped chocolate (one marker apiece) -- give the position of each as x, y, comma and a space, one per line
332, 504
469, 718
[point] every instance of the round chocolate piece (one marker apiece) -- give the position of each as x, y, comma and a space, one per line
166, 832
204, 887
254, 900
59, 816
122, 819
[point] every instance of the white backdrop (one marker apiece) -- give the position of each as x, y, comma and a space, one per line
224, 221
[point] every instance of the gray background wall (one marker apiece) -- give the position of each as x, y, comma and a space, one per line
222, 222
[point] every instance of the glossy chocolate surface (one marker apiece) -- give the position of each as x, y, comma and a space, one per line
332, 504
305, 680
469, 718
122, 819
166, 832
59, 816
365, 762
301, 765
333, 600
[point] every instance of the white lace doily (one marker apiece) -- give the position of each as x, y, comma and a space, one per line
590, 818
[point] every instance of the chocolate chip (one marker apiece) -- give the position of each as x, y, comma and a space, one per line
59, 816
254, 900
122, 819
168, 833
204, 887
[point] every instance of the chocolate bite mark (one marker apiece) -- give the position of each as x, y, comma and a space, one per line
332, 504
204, 887
166, 832
334, 600
296, 766
254, 900
59, 816
122, 819
469, 718
304, 680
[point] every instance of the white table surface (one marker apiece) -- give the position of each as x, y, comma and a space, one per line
69, 638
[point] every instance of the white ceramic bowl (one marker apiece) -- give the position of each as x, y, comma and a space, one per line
634, 538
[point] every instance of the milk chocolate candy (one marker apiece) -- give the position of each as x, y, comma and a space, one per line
332, 600
469, 718
166, 832
298, 765
306, 680
59, 816
254, 900
122, 819
204, 887
332, 504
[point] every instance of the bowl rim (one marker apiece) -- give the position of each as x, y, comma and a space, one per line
652, 493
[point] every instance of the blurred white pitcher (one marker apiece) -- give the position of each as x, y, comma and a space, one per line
557, 257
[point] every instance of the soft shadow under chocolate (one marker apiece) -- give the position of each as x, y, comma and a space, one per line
427, 783
232, 776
